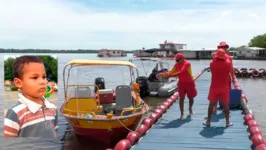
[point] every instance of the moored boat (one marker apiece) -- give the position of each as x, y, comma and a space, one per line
150, 85
100, 114
111, 53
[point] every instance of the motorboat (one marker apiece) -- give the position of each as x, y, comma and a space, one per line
98, 113
149, 84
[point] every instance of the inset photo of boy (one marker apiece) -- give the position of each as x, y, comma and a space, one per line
30, 96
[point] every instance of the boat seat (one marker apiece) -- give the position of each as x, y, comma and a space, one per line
80, 92
123, 99
77, 106
81, 100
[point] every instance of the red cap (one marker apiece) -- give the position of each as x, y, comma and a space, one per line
220, 53
223, 44
179, 56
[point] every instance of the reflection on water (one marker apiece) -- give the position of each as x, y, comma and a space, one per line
254, 89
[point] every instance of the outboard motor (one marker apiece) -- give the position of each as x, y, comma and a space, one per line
100, 83
143, 85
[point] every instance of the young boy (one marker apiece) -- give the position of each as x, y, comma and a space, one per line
32, 115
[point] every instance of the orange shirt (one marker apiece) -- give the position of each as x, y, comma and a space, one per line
182, 71
220, 70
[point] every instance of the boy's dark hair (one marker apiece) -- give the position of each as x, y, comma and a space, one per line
19, 63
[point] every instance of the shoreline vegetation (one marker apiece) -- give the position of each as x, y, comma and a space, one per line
256, 41
52, 51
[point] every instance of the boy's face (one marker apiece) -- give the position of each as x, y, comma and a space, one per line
33, 81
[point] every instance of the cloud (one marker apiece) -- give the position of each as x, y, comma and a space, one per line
67, 25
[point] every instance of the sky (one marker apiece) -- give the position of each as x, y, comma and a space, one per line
129, 24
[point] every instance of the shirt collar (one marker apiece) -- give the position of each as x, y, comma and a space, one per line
34, 107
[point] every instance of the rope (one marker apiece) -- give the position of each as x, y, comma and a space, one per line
145, 108
205, 69
127, 127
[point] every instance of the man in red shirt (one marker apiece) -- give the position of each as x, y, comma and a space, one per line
186, 85
221, 68
225, 47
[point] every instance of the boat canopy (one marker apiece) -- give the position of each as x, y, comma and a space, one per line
100, 62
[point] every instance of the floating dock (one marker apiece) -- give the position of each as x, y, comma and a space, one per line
164, 129
172, 133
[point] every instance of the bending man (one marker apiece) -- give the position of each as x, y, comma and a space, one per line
186, 85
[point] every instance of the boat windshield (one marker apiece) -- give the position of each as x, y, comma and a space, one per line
103, 76
147, 65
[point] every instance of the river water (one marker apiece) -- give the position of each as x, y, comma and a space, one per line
254, 89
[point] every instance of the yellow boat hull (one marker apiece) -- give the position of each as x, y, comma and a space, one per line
103, 128
104, 131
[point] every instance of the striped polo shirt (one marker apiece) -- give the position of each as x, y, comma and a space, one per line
29, 119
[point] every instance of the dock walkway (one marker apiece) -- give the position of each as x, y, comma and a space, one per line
171, 133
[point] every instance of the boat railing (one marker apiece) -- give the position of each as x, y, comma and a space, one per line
81, 113
133, 110
79, 106
94, 104
85, 97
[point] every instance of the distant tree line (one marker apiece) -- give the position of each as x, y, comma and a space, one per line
50, 63
49, 51
257, 41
